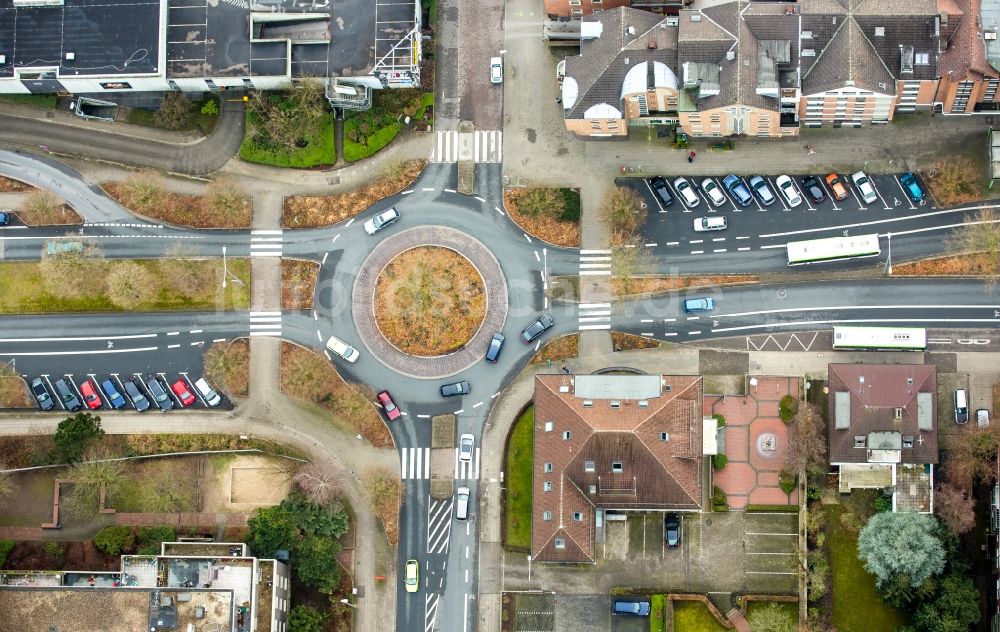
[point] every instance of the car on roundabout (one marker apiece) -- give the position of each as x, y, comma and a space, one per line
536, 329
341, 349
388, 406
380, 221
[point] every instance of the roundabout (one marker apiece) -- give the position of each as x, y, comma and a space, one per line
394, 291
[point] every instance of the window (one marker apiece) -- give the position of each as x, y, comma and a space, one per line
247, 83
616, 403
859, 441
567, 435
589, 466
548, 426
664, 436
617, 467
643, 403
879, 31
548, 467
593, 489
588, 403
560, 543
547, 486
577, 11
546, 515
211, 85
578, 516
908, 441
923, 59
807, 34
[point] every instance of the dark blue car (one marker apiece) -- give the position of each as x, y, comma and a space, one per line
737, 189
632, 607
114, 397
912, 187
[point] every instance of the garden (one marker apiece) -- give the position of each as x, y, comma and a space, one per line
290, 129
517, 466
367, 132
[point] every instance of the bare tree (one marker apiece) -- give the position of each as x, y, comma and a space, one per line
69, 273
284, 121
41, 207
623, 211
981, 236
973, 457
955, 508
228, 199
166, 493
318, 481
629, 261
807, 441
144, 190
130, 284
180, 276
82, 499
175, 111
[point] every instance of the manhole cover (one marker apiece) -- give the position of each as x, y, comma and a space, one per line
782, 293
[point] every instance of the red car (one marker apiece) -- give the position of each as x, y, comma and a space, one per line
389, 406
89, 392
180, 390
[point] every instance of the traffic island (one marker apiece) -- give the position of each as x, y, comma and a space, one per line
442, 456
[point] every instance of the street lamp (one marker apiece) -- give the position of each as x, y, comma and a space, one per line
224, 272
888, 260
348, 603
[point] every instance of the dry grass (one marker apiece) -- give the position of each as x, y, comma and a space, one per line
221, 207
385, 493
13, 390
551, 230
955, 181
956, 265
644, 285
298, 283
227, 365
562, 348
309, 376
429, 301
44, 208
307, 211
621, 341
10, 185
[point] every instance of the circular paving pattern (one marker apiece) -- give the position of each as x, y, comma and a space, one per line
429, 301
363, 303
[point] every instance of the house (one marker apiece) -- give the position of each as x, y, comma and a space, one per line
883, 430
190, 585
968, 80
564, 8
82, 47
605, 445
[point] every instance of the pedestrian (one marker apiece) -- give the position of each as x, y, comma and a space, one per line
565, 369
558, 100
691, 156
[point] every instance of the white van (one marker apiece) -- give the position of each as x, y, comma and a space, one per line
462, 503
210, 396
961, 406
342, 349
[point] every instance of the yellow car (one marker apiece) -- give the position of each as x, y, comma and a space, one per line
411, 576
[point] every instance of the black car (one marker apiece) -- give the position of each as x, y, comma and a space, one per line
672, 530
813, 189
457, 388
41, 393
134, 392
159, 393
659, 185
536, 328
496, 344
69, 399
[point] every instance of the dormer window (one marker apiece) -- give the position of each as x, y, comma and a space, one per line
617, 467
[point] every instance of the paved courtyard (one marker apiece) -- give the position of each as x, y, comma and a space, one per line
756, 442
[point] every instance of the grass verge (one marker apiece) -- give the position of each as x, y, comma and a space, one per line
23, 288
227, 364
47, 101
788, 608
10, 185
856, 603
693, 616
562, 348
298, 283
13, 390
384, 491
645, 285
429, 301
375, 142
621, 341
657, 612
204, 122
310, 211
558, 231
228, 210
318, 149
956, 265
517, 465
309, 376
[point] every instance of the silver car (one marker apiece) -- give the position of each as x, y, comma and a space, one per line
713, 192
381, 220
686, 192
466, 445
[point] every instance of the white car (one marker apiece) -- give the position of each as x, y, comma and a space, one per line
210, 396
342, 349
466, 445
380, 221
686, 192
865, 186
496, 70
788, 191
713, 192
703, 224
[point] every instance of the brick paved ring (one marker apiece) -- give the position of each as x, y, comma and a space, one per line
363, 304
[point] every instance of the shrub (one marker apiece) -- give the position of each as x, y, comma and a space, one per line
306, 619
719, 420
114, 540
786, 480
883, 503
211, 108
6, 546
74, 434
150, 538
772, 509
719, 461
571, 210
175, 111
719, 497
788, 407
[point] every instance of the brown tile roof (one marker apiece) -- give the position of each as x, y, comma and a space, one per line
872, 408
965, 56
657, 473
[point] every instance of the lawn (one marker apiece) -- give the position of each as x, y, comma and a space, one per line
47, 101
657, 605
693, 616
856, 603
790, 609
517, 469
356, 151
318, 150
22, 289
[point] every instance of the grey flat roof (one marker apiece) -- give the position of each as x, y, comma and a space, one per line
106, 37
617, 386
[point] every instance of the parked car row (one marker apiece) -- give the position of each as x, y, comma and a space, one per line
744, 192
113, 393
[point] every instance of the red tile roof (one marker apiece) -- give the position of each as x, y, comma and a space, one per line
965, 57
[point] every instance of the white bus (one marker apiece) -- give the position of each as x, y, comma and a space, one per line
880, 338
832, 249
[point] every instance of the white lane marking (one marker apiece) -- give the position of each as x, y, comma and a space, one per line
693, 317
673, 243
697, 252
526, 237
427, 189
449, 190
859, 320
719, 250
173, 333
195, 331
669, 320
325, 254
696, 241
407, 192
774, 246
58, 353
494, 395
195, 344
595, 252
315, 315
423, 416
173, 346
319, 335
349, 222
851, 307
481, 199
652, 245
459, 411
742, 249
743, 237
334, 240
648, 334
694, 333
477, 404
646, 320
670, 334
537, 258
883, 221
219, 340
79, 338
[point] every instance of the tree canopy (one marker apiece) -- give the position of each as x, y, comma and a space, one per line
896, 543
74, 434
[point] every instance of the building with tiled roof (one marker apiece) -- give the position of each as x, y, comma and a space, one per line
968, 80
611, 444
883, 429
577, 8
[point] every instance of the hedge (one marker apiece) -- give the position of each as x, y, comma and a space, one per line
772, 509
719, 461
788, 407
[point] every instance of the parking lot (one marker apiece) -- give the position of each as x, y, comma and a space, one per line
772, 548
117, 391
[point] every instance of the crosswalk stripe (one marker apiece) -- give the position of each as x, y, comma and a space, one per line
467, 470
487, 146
266, 243
415, 463
265, 323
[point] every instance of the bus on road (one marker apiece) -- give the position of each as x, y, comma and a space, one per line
880, 338
832, 249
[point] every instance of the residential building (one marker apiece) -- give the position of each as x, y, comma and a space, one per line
563, 8
968, 79
605, 445
79, 47
190, 585
883, 430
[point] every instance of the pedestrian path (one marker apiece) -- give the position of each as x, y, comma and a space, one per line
467, 470
595, 263
265, 324
438, 525
265, 243
487, 146
415, 463
594, 316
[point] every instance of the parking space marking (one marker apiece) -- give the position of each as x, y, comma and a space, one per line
829, 194
777, 194
861, 205
887, 207
903, 191
656, 198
